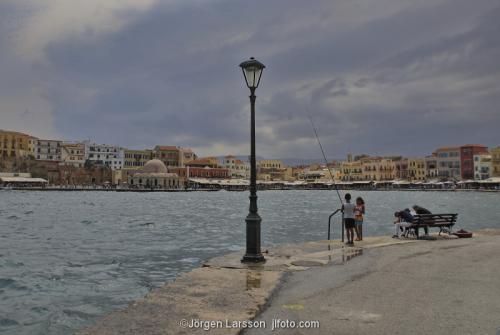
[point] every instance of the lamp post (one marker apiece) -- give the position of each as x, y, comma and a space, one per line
252, 71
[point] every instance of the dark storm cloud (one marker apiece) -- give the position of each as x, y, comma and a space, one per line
396, 77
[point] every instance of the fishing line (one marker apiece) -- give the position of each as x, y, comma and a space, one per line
324, 156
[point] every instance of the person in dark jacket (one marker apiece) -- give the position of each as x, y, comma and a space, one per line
422, 210
406, 215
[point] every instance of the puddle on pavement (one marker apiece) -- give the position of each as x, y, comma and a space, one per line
253, 279
344, 255
306, 263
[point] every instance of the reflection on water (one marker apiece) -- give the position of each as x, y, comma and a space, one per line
67, 258
350, 253
343, 255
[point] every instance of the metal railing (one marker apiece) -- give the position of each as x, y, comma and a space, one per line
330, 223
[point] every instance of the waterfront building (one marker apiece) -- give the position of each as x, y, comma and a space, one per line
104, 154
237, 168
200, 172
168, 154
48, 150
228, 162
205, 167
417, 169
482, 166
297, 171
133, 160
311, 175
351, 170
431, 167
32, 146
186, 155
273, 169
174, 156
211, 162
73, 153
448, 162
154, 175
242, 169
377, 169
270, 164
400, 168
495, 162
15, 145
136, 159
467, 153
285, 174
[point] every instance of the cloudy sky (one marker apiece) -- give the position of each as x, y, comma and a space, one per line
379, 77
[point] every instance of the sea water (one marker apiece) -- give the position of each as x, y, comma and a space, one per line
68, 258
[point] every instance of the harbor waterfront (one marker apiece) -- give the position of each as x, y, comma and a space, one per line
67, 259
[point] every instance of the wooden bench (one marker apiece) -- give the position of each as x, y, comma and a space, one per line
444, 222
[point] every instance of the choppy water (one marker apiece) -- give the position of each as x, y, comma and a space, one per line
67, 258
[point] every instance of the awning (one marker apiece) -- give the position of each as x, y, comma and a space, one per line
494, 180
22, 180
467, 181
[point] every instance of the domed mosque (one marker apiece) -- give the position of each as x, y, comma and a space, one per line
154, 175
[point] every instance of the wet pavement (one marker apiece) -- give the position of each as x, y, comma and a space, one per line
430, 287
322, 281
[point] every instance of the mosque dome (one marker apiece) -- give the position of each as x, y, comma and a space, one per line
154, 166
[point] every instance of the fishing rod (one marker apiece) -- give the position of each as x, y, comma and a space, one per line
324, 156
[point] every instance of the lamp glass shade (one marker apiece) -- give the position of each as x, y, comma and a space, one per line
252, 70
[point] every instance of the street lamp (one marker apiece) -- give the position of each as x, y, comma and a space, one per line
252, 71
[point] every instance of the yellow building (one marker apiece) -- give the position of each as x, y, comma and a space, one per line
417, 169
133, 160
14, 144
32, 145
136, 159
495, 162
270, 164
274, 168
351, 171
378, 169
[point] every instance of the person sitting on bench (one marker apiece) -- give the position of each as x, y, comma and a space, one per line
422, 210
403, 219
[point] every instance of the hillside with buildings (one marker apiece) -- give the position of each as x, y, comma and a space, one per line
86, 163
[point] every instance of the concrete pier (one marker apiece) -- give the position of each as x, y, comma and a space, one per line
381, 286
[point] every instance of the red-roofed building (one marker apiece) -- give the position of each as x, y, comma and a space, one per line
211, 162
467, 153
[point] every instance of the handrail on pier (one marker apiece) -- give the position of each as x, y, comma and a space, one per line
330, 222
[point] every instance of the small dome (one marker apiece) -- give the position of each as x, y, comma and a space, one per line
154, 166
